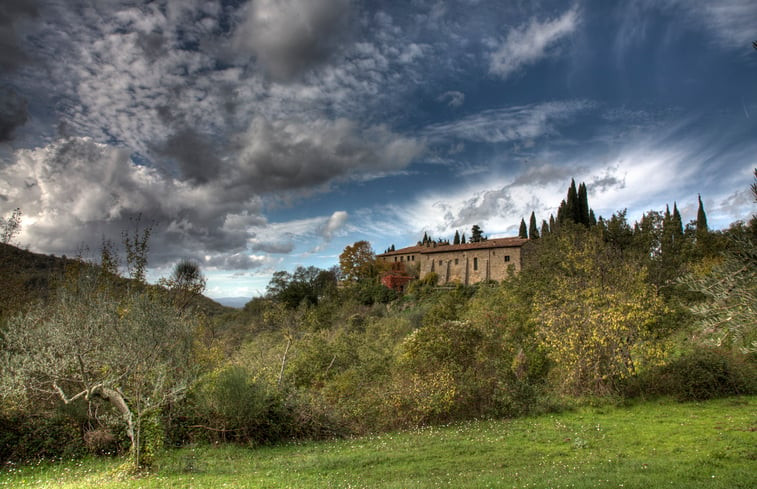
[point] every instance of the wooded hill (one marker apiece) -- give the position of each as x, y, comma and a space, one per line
604, 309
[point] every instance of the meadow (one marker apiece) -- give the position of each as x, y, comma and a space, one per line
646, 444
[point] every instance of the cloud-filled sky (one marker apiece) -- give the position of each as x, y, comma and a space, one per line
261, 135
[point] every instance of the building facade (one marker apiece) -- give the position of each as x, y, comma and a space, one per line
467, 264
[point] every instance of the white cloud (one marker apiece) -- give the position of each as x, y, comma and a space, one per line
453, 98
529, 43
732, 22
521, 123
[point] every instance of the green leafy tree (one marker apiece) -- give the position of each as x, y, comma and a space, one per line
596, 314
457, 238
728, 313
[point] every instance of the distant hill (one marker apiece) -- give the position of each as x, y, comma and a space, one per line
26, 277
235, 302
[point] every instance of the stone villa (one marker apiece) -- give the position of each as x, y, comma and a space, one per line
466, 264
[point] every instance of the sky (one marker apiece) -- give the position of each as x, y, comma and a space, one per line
262, 135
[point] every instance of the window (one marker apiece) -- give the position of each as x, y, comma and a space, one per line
441, 262
402, 258
413, 257
475, 264
507, 258
456, 260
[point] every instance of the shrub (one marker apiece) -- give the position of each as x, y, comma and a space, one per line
704, 373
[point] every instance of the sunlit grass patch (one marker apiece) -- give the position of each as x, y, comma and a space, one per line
654, 444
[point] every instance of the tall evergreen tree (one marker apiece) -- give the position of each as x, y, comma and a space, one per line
477, 234
592, 218
552, 225
462, 239
533, 231
677, 222
701, 217
573, 211
457, 238
523, 231
583, 205
544, 228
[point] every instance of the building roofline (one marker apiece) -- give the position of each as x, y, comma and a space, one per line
487, 244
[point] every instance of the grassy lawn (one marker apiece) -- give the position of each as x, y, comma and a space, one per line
654, 444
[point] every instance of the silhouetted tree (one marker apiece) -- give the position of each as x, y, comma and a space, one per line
523, 230
477, 234
533, 231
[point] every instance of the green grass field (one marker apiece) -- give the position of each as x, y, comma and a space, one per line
649, 445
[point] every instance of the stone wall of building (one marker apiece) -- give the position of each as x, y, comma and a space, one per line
467, 264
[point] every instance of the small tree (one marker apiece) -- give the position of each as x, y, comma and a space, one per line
185, 282
10, 227
92, 341
358, 261
477, 234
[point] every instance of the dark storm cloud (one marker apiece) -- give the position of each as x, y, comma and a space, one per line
13, 12
196, 154
289, 37
13, 112
274, 247
300, 155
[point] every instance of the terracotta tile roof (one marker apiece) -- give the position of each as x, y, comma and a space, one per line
489, 243
405, 251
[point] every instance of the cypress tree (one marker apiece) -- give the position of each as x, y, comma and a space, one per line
544, 228
457, 238
583, 205
552, 225
462, 239
677, 222
572, 210
701, 218
533, 231
523, 231
592, 218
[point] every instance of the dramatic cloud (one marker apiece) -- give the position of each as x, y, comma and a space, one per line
290, 155
13, 13
75, 191
289, 37
529, 43
13, 112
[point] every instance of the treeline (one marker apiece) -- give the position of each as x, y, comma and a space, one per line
603, 308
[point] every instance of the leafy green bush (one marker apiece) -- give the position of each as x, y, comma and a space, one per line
704, 373
26, 438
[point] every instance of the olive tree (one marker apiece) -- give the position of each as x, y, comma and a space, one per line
93, 341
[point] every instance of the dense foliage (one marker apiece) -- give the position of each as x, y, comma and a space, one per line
602, 308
